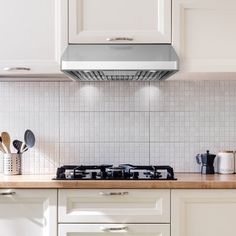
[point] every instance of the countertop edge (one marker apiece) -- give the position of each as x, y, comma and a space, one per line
185, 181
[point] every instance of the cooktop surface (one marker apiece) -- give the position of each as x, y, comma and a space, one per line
110, 172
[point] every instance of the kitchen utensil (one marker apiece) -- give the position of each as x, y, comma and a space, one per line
29, 139
206, 161
18, 145
225, 162
6, 140
2, 148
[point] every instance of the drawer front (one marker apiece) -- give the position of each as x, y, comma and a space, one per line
114, 229
114, 206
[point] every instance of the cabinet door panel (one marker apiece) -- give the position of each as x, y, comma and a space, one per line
203, 35
102, 229
28, 212
203, 212
33, 36
111, 206
93, 21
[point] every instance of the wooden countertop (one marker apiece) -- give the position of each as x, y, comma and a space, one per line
185, 181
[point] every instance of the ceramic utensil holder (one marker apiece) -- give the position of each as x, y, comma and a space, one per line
12, 164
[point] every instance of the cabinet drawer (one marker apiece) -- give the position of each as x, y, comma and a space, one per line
114, 206
102, 229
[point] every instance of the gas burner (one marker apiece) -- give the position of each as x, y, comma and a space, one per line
109, 172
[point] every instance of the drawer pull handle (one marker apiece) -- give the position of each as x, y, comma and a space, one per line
16, 68
114, 193
8, 193
114, 229
119, 39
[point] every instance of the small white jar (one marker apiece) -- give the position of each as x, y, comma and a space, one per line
225, 162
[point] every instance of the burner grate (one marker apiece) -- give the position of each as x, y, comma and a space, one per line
109, 172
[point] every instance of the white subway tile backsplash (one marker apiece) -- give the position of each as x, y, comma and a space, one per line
181, 156
45, 125
165, 122
104, 153
105, 96
104, 127
34, 96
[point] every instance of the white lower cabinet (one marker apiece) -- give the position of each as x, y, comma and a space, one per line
114, 206
203, 212
114, 229
28, 212
131, 212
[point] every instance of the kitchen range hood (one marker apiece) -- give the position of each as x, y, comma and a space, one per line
101, 62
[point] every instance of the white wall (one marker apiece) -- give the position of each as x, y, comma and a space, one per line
119, 122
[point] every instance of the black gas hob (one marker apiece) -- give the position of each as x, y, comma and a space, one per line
110, 172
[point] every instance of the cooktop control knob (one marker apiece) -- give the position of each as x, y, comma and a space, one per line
94, 175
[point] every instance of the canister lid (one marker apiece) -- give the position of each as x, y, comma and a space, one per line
227, 151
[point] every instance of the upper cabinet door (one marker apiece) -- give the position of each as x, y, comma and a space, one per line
204, 35
120, 21
33, 36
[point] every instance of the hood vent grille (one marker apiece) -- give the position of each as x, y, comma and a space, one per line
134, 62
98, 75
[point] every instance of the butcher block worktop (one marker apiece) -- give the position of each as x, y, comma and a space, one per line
185, 181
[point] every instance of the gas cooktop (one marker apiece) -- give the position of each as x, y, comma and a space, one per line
110, 172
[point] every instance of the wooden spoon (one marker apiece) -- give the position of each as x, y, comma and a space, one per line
6, 140
2, 149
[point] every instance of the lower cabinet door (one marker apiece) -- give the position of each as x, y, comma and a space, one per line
28, 212
114, 229
203, 212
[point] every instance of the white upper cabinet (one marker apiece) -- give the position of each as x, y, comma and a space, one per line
33, 36
120, 21
204, 35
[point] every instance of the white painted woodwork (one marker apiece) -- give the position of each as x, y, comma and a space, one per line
145, 21
100, 229
33, 35
28, 212
94, 206
204, 35
203, 212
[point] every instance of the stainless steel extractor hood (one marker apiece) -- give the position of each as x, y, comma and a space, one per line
86, 62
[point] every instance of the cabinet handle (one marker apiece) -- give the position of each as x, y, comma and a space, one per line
119, 39
114, 193
114, 229
8, 193
16, 68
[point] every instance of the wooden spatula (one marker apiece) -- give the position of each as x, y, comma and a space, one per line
6, 141
2, 148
